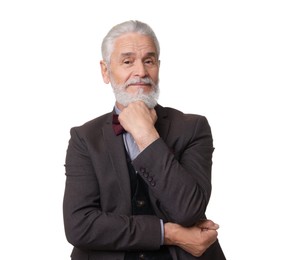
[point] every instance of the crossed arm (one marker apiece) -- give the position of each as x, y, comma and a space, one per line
89, 227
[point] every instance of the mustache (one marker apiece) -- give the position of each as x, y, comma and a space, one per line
145, 80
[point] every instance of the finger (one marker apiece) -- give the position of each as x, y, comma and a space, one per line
208, 224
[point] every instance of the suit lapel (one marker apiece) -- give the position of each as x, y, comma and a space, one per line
117, 156
162, 124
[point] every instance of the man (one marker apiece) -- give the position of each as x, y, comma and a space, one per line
139, 178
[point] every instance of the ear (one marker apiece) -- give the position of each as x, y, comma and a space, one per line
105, 72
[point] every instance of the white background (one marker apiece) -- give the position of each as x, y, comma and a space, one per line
221, 59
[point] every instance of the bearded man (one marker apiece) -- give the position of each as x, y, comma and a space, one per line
139, 178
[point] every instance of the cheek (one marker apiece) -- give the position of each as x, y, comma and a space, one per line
154, 75
120, 77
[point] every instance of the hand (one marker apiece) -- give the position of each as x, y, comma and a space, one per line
139, 120
194, 240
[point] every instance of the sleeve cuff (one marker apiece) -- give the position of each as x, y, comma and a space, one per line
162, 231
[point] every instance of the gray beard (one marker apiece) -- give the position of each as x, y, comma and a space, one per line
125, 98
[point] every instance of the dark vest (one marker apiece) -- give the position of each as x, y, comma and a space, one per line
141, 205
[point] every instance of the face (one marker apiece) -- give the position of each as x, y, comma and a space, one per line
134, 70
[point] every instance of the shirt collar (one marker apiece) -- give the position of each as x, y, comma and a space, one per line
117, 110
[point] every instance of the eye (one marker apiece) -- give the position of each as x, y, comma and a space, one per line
149, 62
127, 61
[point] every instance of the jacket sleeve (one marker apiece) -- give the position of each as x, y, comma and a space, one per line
178, 171
86, 225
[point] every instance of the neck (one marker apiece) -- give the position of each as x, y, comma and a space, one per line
119, 106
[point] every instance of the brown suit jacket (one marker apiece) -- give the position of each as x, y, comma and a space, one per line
97, 200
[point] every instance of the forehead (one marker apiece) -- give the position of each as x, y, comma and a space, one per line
134, 43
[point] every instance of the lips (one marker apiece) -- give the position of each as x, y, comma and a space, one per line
139, 84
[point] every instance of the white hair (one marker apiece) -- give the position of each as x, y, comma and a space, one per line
131, 26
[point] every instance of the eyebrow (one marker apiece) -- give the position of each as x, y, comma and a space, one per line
148, 54
151, 54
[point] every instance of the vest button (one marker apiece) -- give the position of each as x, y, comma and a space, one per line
141, 256
140, 203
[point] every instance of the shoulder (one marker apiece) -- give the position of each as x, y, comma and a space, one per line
182, 125
177, 116
94, 126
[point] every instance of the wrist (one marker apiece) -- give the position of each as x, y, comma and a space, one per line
170, 231
145, 140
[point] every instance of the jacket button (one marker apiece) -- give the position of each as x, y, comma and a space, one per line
140, 203
141, 256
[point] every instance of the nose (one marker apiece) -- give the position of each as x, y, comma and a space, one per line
140, 69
